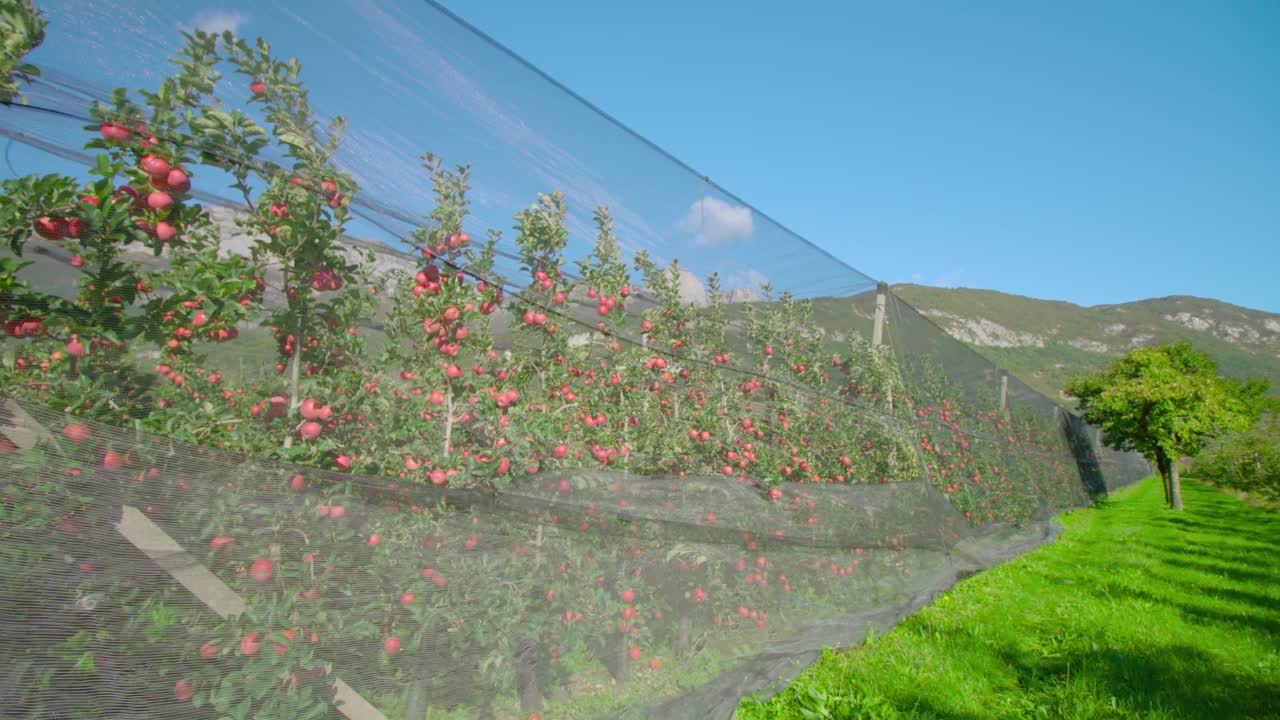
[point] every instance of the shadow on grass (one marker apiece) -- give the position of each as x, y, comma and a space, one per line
1258, 615
1258, 612
1260, 604
1178, 679
1259, 533
1214, 564
1211, 512
1235, 544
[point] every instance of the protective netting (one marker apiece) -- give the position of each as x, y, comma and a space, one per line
287, 432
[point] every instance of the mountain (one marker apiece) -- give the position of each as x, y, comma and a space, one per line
1046, 342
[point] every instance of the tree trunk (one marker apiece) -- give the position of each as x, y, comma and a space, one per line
295, 369
613, 652
526, 667
419, 686
1175, 486
622, 658
682, 634
1162, 465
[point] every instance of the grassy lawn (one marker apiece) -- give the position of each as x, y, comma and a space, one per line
1136, 611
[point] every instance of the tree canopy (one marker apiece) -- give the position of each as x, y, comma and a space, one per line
1167, 402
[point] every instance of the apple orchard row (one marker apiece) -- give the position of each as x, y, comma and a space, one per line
489, 498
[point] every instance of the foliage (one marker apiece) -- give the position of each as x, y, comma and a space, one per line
1248, 462
21, 31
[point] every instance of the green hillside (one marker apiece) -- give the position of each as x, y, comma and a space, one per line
1046, 342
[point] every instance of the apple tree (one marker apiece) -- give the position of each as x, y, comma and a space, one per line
1166, 402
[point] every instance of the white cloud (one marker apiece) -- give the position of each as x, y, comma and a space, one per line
716, 222
750, 278
215, 22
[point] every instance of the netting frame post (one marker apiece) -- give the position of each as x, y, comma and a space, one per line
1004, 392
882, 299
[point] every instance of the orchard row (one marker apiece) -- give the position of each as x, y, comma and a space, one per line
610, 474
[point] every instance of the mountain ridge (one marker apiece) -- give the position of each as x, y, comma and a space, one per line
1046, 342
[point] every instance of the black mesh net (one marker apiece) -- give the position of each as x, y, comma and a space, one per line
299, 420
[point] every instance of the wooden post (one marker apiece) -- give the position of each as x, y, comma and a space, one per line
1004, 392
877, 332
1097, 438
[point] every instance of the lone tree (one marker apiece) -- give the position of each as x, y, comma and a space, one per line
1166, 402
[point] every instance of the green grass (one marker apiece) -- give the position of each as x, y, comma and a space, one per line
1135, 612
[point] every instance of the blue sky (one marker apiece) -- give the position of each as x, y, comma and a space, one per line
1096, 152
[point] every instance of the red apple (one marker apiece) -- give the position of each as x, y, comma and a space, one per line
165, 232
178, 181
114, 132
310, 430
262, 570
159, 200
311, 409
49, 228
74, 227
154, 166
76, 432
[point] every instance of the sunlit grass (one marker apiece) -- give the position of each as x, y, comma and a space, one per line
1135, 612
